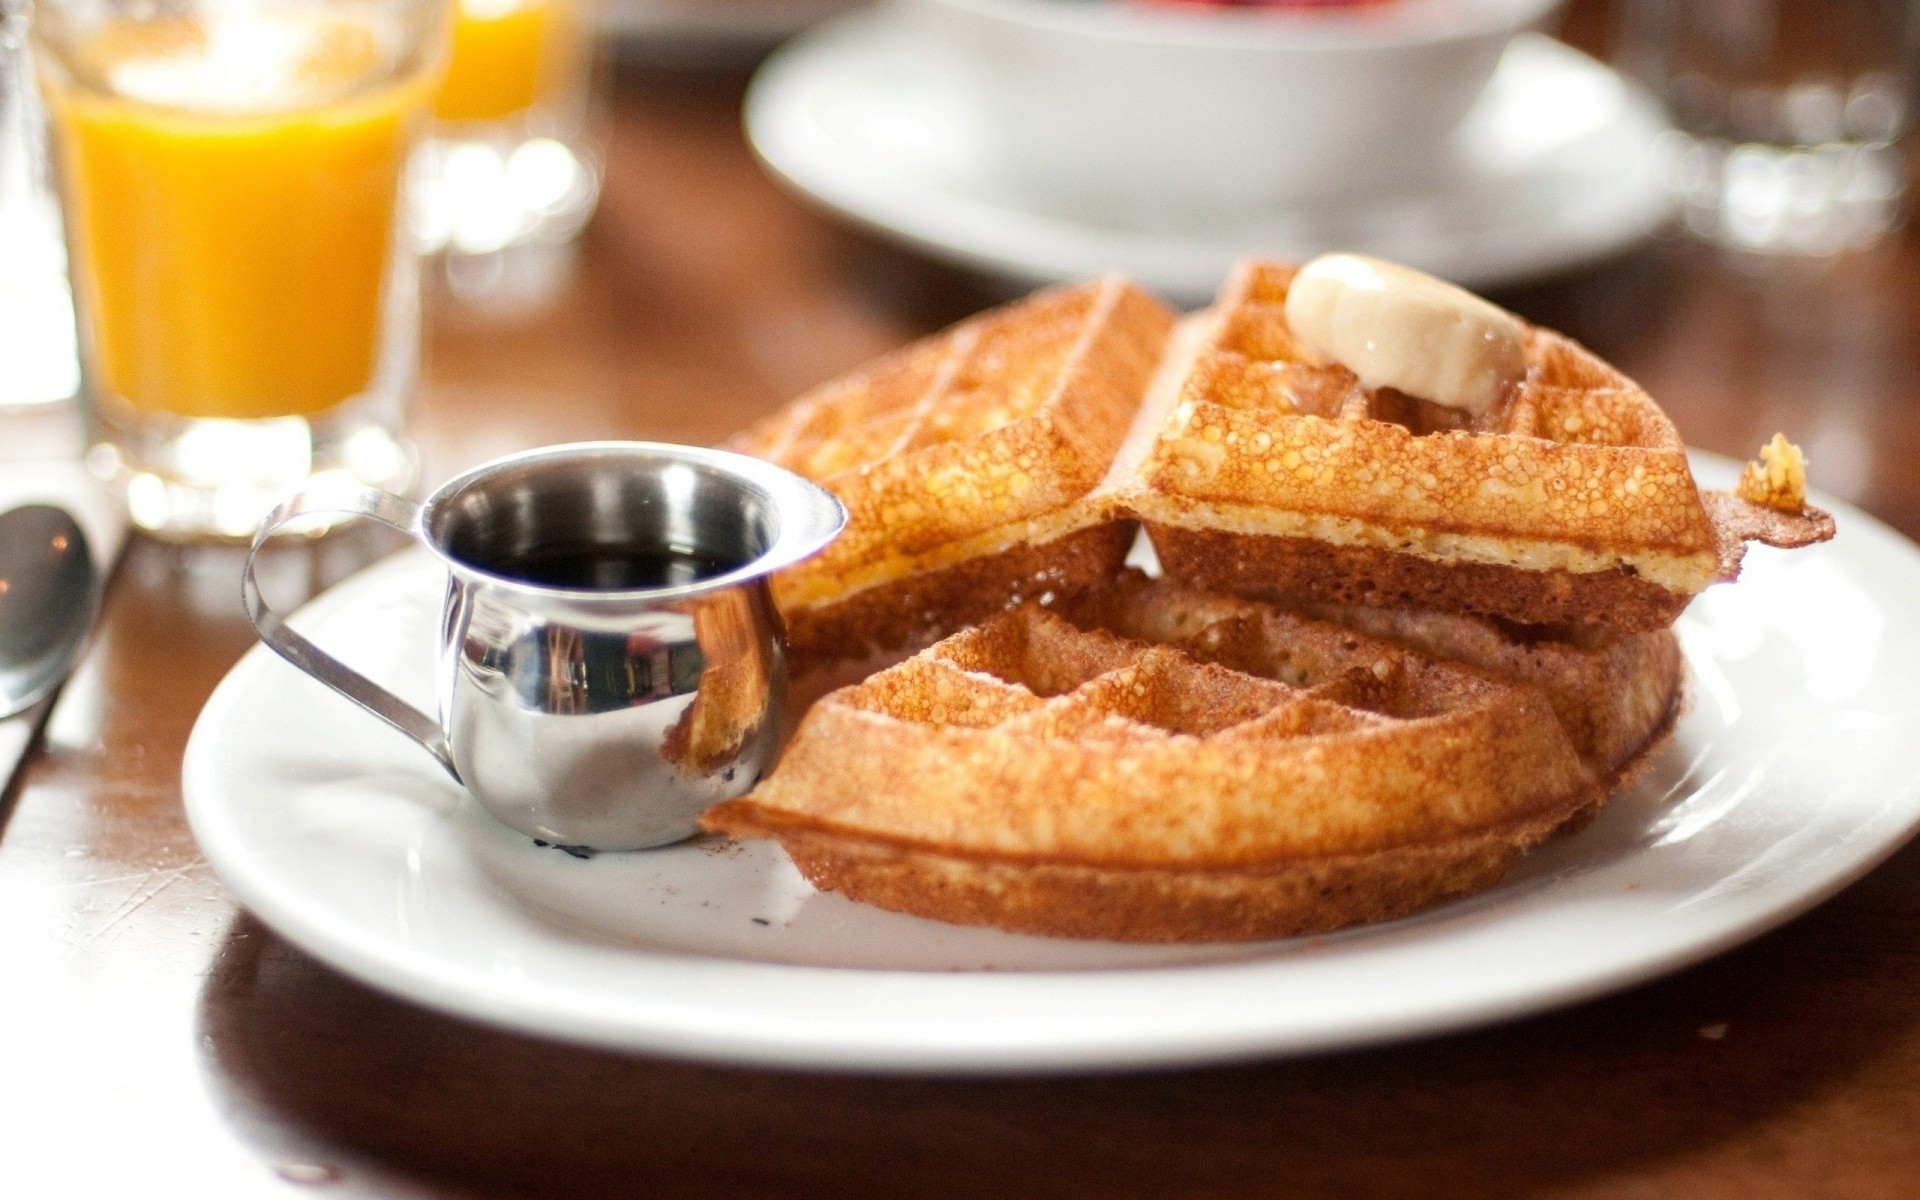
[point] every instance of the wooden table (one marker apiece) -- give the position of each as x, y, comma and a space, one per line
153, 1038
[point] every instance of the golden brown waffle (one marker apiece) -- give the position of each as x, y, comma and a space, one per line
1161, 765
964, 461
1609, 690
1275, 474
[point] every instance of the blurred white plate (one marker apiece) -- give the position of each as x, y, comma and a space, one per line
1554, 168
1795, 769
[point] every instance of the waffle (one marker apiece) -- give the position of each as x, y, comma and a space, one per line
965, 462
1609, 691
1153, 764
1567, 502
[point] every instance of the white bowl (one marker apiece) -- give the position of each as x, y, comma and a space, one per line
1158, 115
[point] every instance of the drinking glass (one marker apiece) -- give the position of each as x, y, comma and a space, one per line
230, 177
1789, 115
36, 311
514, 158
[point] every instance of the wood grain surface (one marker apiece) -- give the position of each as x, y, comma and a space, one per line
155, 1041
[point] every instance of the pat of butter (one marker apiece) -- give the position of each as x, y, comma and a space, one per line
1395, 327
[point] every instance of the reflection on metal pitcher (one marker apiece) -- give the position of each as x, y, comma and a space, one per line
611, 662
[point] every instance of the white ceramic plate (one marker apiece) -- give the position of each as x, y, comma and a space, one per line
1557, 166
1795, 769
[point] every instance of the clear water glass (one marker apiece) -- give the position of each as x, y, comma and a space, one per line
1788, 115
512, 169
36, 309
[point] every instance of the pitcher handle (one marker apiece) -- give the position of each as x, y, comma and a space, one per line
356, 501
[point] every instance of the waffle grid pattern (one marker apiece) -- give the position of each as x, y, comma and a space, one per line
978, 377
1045, 736
1575, 455
1568, 395
1031, 674
1009, 417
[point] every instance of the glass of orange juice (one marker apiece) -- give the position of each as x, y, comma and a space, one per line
230, 176
514, 159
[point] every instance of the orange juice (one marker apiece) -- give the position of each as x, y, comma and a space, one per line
507, 54
231, 184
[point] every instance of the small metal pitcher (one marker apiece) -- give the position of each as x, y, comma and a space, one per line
591, 713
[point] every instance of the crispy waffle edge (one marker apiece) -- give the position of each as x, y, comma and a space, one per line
1274, 568
1073, 900
918, 610
1139, 905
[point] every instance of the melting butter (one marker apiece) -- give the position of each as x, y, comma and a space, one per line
1396, 327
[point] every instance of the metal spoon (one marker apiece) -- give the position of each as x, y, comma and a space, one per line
48, 596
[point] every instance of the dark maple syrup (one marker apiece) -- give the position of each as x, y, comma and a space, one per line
609, 567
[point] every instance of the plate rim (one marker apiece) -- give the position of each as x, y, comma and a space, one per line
677, 1029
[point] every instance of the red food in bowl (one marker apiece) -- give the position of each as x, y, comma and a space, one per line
1264, 3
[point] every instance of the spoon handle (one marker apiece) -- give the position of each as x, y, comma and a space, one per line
336, 498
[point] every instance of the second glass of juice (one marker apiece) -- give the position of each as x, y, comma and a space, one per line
514, 158
230, 177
